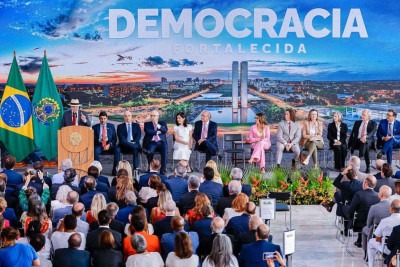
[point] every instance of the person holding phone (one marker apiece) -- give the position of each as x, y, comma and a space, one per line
273, 257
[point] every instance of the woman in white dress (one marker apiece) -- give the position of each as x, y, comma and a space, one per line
183, 138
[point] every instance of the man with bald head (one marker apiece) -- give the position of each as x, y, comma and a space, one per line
250, 237
129, 136
168, 240
252, 254
155, 139
72, 198
205, 135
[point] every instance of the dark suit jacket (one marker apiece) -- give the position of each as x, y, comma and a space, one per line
111, 134
371, 130
246, 188
223, 203
144, 179
246, 238
238, 225
107, 258
149, 132
163, 226
202, 227
186, 202
115, 225
332, 133
251, 255
92, 239
205, 245
101, 187
348, 189
211, 133
67, 118
13, 178
385, 181
101, 179
87, 198
383, 132
66, 257
212, 189
55, 188
122, 133
378, 176
177, 186
361, 203
393, 242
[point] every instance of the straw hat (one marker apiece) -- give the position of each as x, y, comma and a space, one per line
74, 102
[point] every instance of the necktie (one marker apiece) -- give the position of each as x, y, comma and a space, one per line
74, 118
204, 131
103, 136
156, 138
129, 133
289, 130
363, 129
390, 129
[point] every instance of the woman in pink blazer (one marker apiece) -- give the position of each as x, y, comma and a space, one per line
260, 140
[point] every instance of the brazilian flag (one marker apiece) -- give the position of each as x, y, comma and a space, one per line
47, 112
16, 131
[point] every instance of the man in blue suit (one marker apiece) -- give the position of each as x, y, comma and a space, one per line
129, 136
177, 185
388, 135
154, 169
205, 135
155, 139
87, 198
13, 178
210, 188
252, 255
105, 140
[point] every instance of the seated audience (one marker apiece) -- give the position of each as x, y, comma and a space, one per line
116, 193
33, 231
149, 191
38, 242
13, 254
386, 173
237, 175
112, 210
250, 236
187, 201
221, 253
37, 211
87, 198
240, 224
177, 185
155, 167
234, 188
213, 165
98, 204
72, 256
65, 230
130, 200
159, 213
58, 178
13, 178
69, 177
378, 165
183, 254
210, 188
44, 191
139, 210
72, 198
78, 210
159, 188
106, 256
142, 256
393, 243
163, 226
203, 226
397, 191
252, 254
238, 207
101, 185
194, 214
61, 198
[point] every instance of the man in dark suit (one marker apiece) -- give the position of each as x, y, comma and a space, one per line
177, 185
155, 167
240, 224
250, 236
72, 256
205, 135
93, 171
361, 203
387, 173
75, 116
203, 226
362, 136
210, 188
87, 198
234, 188
105, 140
388, 135
237, 174
92, 240
252, 254
163, 226
155, 139
186, 201
378, 166
13, 178
129, 134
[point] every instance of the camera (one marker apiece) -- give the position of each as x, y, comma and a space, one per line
268, 255
32, 172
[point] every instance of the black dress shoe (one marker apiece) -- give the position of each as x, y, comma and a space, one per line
367, 170
357, 244
379, 155
345, 233
293, 163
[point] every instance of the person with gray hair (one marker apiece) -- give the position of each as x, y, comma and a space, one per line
164, 225
221, 253
130, 200
186, 202
337, 136
58, 178
142, 257
234, 188
383, 230
250, 237
178, 185
237, 175
362, 136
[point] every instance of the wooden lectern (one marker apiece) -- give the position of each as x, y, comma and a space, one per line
76, 143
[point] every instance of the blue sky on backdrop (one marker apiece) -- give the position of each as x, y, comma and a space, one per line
76, 37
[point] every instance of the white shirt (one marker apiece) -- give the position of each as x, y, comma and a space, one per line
175, 261
152, 259
58, 178
60, 240
393, 197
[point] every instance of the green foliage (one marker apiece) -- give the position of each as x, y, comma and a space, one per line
139, 101
170, 111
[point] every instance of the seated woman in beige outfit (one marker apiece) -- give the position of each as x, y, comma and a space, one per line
312, 137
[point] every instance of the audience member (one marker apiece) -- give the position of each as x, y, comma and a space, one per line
87, 198
13, 178
72, 256
140, 210
65, 230
159, 213
240, 224
210, 188
61, 198
163, 226
234, 188
238, 207
250, 236
98, 203
237, 175
183, 254
149, 191
213, 165
142, 256
378, 165
58, 178
38, 242
393, 243
116, 225
397, 191
71, 199
130, 200
386, 173
177, 185
93, 172
33, 230
37, 211
221, 253
97, 174
78, 210
195, 214
153, 201
155, 167
69, 177
187, 201
123, 183
203, 226
106, 256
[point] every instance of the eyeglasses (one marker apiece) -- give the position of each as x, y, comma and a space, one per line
388, 115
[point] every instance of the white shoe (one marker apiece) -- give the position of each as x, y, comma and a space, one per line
306, 161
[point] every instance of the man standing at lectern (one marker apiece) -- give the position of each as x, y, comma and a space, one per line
105, 140
75, 116
129, 136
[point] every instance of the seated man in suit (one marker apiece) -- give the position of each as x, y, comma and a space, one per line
205, 135
378, 166
129, 134
87, 198
288, 137
163, 226
387, 173
362, 136
237, 175
252, 254
72, 256
94, 172
186, 201
75, 116
105, 140
72, 198
240, 224
361, 203
155, 167
210, 188
58, 178
234, 188
250, 236
155, 139
203, 226
177, 185
13, 178
388, 135
393, 243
